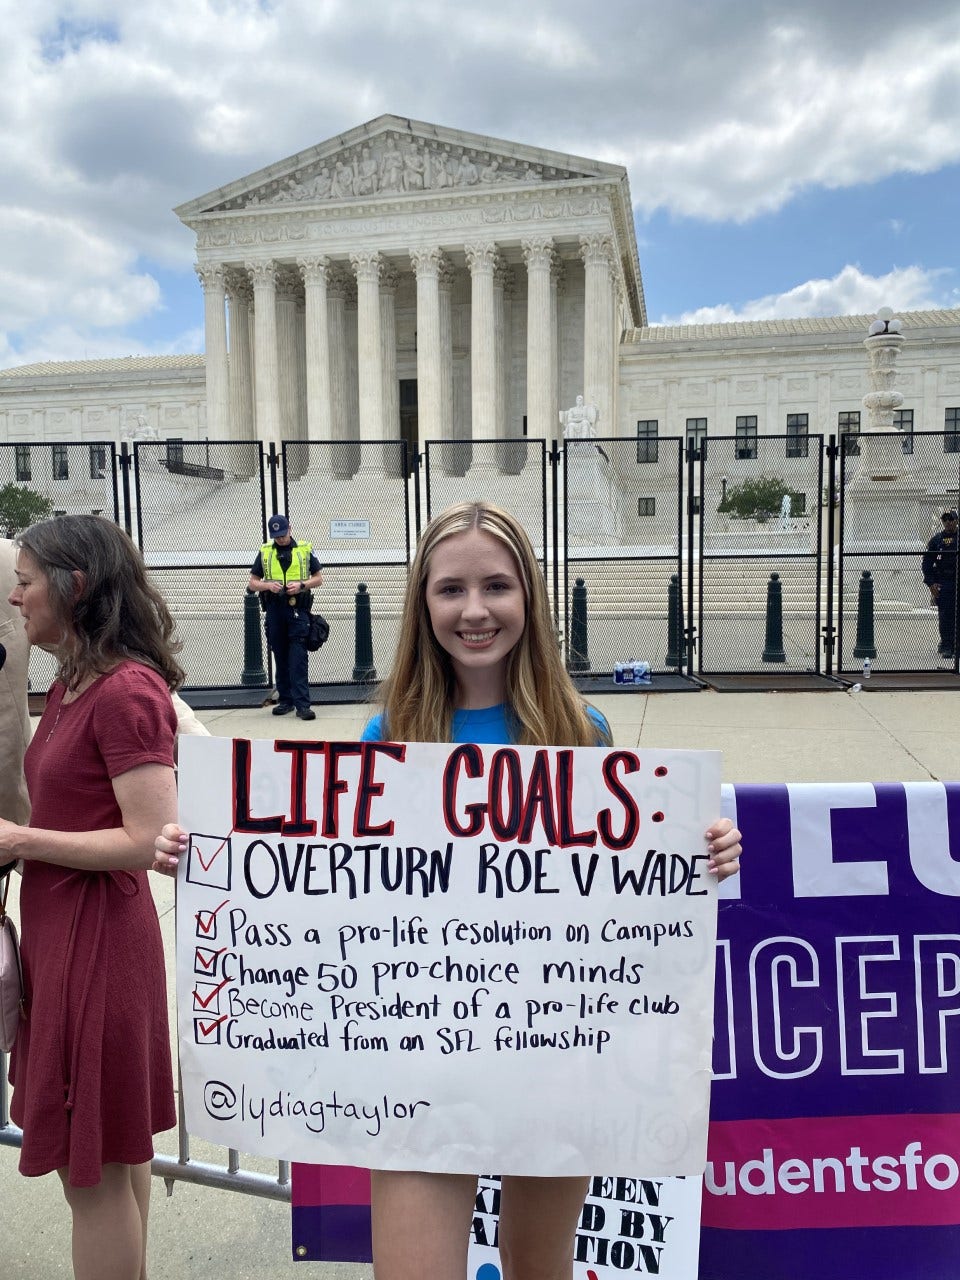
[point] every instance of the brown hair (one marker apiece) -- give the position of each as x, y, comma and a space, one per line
419, 694
117, 613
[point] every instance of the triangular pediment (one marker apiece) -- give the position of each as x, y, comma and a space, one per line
391, 157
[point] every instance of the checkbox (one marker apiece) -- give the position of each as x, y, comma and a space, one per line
207, 1030
206, 962
207, 922
206, 997
209, 861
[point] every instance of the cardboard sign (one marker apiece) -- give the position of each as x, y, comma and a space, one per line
450, 958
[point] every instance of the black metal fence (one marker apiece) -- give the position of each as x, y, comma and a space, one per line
884, 612
776, 555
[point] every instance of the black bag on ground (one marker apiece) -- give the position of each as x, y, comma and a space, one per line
318, 633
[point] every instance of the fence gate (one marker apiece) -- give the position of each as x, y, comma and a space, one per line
199, 520
894, 487
757, 569
351, 500
622, 537
510, 473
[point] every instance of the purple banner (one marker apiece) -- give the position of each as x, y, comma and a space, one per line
835, 1098
835, 1135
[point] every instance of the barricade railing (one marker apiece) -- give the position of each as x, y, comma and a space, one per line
181, 1167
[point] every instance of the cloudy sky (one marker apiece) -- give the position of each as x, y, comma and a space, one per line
785, 159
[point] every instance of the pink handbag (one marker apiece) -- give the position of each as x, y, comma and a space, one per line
11, 975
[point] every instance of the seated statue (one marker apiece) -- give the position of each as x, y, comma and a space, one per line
579, 421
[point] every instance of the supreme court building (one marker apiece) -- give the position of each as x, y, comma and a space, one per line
409, 281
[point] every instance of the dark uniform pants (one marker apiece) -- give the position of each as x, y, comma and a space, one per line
287, 629
947, 614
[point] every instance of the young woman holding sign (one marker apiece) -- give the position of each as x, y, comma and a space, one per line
477, 661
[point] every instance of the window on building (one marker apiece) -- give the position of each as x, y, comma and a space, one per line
98, 462
848, 425
646, 506
903, 422
648, 444
747, 436
22, 461
695, 502
697, 434
61, 467
798, 428
951, 431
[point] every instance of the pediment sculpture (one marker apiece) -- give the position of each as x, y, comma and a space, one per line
394, 164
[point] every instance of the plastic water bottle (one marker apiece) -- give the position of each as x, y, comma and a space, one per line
866, 668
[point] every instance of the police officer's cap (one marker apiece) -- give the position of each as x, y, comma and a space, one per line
278, 526
949, 515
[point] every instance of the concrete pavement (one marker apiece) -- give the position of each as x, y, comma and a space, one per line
829, 735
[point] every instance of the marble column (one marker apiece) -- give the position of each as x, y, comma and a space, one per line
502, 285
432, 425
367, 267
510, 457
351, 340
538, 256
445, 283
264, 279
481, 259
315, 273
599, 348
287, 353
243, 457
557, 280
212, 278
389, 280
336, 328
301, 462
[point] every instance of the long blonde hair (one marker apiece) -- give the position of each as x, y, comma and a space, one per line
419, 694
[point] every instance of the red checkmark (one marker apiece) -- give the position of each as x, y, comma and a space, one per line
218, 850
207, 1029
207, 960
202, 1002
209, 925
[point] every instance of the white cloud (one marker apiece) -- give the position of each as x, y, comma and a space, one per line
849, 292
111, 113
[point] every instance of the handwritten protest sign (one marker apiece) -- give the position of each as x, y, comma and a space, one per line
449, 958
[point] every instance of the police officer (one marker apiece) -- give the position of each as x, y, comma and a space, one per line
940, 575
285, 572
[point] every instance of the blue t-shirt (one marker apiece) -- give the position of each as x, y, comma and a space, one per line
489, 725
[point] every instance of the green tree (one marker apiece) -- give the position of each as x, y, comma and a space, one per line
21, 506
759, 498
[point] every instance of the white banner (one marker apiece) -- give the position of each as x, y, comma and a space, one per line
448, 958
646, 1226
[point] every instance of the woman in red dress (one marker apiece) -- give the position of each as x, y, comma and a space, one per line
91, 1067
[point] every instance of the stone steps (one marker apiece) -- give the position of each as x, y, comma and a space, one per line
615, 589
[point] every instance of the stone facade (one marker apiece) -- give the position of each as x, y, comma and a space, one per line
406, 280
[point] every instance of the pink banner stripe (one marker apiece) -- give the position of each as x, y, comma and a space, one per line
833, 1171
327, 1184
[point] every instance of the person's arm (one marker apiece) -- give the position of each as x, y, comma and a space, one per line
307, 584
928, 561
258, 582
147, 798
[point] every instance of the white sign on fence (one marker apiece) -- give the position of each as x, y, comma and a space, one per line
349, 528
449, 958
